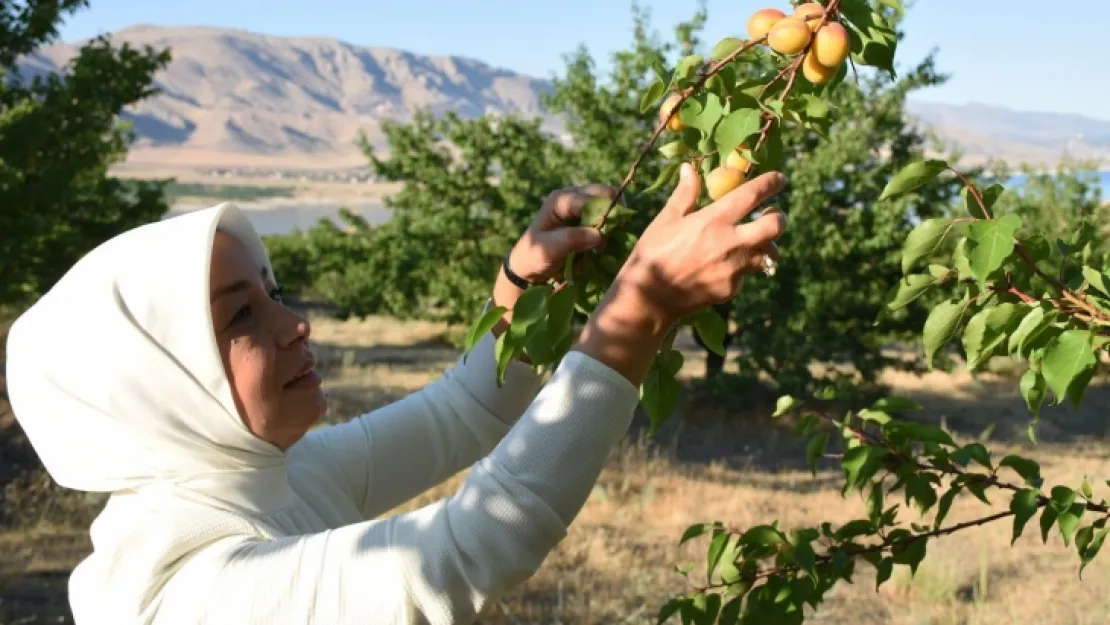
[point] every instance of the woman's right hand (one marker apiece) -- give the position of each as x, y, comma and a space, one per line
685, 261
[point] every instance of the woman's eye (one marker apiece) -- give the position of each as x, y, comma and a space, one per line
276, 294
243, 314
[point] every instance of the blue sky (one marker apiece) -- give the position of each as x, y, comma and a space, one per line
1020, 54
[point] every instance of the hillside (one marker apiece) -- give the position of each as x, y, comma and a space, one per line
233, 97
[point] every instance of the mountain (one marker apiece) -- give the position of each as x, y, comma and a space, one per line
1038, 138
231, 96
238, 98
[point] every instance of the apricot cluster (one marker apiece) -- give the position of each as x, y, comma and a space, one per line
792, 34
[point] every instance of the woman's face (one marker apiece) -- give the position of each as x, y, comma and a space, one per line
264, 347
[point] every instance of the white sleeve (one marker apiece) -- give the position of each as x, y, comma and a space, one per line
390, 455
442, 563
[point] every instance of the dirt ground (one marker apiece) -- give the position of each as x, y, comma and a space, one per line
728, 463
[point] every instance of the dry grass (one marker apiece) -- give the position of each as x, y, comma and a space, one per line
616, 564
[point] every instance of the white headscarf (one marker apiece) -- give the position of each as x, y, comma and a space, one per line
115, 376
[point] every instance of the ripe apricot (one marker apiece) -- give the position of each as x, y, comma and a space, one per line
760, 23
831, 45
804, 11
815, 72
735, 161
722, 180
675, 124
789, 36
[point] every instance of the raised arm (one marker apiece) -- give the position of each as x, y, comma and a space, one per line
443, 563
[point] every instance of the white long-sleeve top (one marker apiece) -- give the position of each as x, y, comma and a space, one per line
208, 524
315, 558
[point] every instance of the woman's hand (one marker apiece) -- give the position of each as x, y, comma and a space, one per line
684, 262
544, 247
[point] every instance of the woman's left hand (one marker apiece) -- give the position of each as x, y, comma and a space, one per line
543, 249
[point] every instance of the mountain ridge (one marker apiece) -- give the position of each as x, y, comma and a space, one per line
238, 97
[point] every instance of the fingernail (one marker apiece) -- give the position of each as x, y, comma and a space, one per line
684, 171
593, 237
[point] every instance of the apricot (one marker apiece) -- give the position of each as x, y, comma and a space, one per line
804, 11
815, 72
722, 180
760, 23
675, 124
831, 45
735, 161
789, 36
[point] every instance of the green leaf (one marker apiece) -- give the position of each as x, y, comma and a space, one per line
852, 529
1024, 505
785, 404
910, 554
1029, 323
735, 128
815, 449
725, 47
652, 95
989, 243
1048, 519
875, 503
1089, 550
696, 530
1029, 470
762, 536
671, 608
560, 313
945, 505
885, 568
1062, 498
924, 240
1032, 387
1085, 488
1066, 359
504, 351
987, 331
672, 150
859, 462
687, 67
990, 195
712, 330
1097, 279
897, 404
1069, 520
875, 416
910, 288
913, 176
940, 326
666, 176
529, 309
716, 548
659, 396
483, 325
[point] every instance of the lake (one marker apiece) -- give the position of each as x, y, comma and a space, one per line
282, 216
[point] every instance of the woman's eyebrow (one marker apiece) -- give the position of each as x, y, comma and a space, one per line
235, 287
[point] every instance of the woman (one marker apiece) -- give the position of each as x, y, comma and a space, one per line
164, 369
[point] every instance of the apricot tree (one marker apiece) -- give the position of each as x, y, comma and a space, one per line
996, 288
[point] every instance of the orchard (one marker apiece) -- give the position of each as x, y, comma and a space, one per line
1001, 287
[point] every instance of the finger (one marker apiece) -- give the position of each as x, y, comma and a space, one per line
761, 232
568, 204
559, 243
741, 201
685, 196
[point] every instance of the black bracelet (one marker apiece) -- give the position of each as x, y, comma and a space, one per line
520, 283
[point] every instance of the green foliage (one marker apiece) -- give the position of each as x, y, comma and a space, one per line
59, 134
